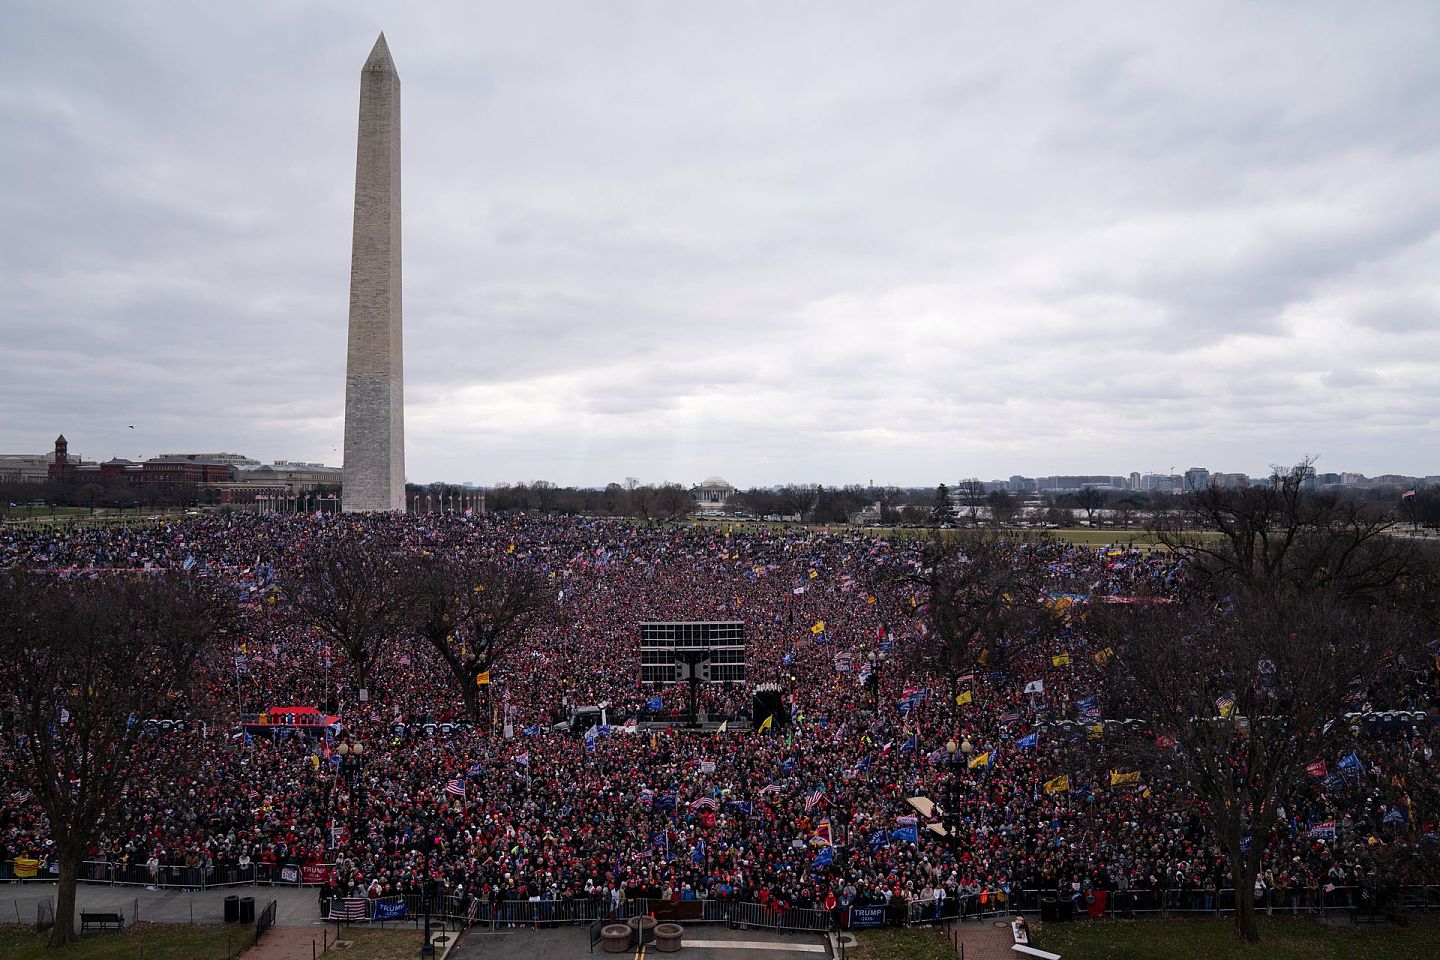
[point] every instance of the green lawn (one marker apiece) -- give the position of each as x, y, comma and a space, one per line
1181, 940
152, 941
1215, 940
401, 943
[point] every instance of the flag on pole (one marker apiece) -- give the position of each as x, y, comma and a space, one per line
1029, 741
979, 760
964, 699
1060, 660
455, 788
767, 723
1120, 779
1035, 686
822, 836
1059, 784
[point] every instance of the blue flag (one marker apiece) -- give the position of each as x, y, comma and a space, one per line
655, 703
826, 857
910, 834
878, 840
743, 806
1352, 762
698, 854
1028, 741
666, 801
788, 765
389, 911
910, 744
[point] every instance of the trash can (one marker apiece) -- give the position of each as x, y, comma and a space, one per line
232, 908
642, 929
1049, 909
247, 909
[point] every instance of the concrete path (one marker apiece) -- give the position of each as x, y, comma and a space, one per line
295, 905
710, 941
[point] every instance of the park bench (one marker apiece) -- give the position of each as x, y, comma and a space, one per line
1022, 943
102, 920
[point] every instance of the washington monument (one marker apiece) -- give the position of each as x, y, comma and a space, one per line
375, 377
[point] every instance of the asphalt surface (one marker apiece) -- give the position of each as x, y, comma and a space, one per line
701, 942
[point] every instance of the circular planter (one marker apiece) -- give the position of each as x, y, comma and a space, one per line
643, 929
615, 938
668, 936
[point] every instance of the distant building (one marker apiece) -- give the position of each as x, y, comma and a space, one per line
1196, 479
238, 459
1070, 484
1134, 480
711, 493
1230, 481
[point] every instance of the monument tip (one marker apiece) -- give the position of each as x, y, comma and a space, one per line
379, 58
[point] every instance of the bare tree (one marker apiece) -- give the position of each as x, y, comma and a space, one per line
348, 588
1238, 699
473, 612
983, 598
1090, 499
971, 494
1281, 533
84, 662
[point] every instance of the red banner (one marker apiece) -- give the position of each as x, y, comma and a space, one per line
317, 873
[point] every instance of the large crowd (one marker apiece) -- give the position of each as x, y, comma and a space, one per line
811, 811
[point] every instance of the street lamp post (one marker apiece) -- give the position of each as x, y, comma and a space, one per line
352, 763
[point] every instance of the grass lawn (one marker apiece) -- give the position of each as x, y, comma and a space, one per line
368, 944
152, 941
1215, 940
1181, 940
916, 944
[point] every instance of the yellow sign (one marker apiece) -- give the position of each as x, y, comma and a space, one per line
482, 679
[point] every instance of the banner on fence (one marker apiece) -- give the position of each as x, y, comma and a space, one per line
314, 873
389, 911
862, 918
290, 873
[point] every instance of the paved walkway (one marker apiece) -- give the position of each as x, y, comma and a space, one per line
710, 941
296, 906
983, 940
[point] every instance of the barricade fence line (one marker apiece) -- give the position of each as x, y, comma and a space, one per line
182, 876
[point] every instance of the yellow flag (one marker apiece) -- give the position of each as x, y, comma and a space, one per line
510, 549
819, 627
1060, 660
1119, 779
814, 574
766, 724
1102, 655
482, 679
963, 698
1095, 731
1059, 785
980, 760
869, 599
315, 759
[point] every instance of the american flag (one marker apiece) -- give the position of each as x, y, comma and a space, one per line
770, 788
704, 803
351, 908
814, 800
906, 821
474, 910
456, 787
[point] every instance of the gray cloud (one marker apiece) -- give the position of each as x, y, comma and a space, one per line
772, 242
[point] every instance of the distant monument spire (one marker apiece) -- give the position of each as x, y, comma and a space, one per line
374, 476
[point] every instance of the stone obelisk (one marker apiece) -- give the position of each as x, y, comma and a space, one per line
374, 377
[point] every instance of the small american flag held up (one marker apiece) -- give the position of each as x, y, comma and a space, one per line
456, 787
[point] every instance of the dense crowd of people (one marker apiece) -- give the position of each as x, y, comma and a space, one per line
811, 811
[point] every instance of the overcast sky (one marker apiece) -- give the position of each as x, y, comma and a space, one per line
778, 242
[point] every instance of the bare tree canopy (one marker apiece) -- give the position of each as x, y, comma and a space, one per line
473, 611
85, 662
982, 597
350, 591
1282, 533
1239, 697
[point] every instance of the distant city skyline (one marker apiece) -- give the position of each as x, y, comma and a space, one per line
815, 242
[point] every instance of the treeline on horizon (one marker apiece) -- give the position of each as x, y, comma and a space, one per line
965, 504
